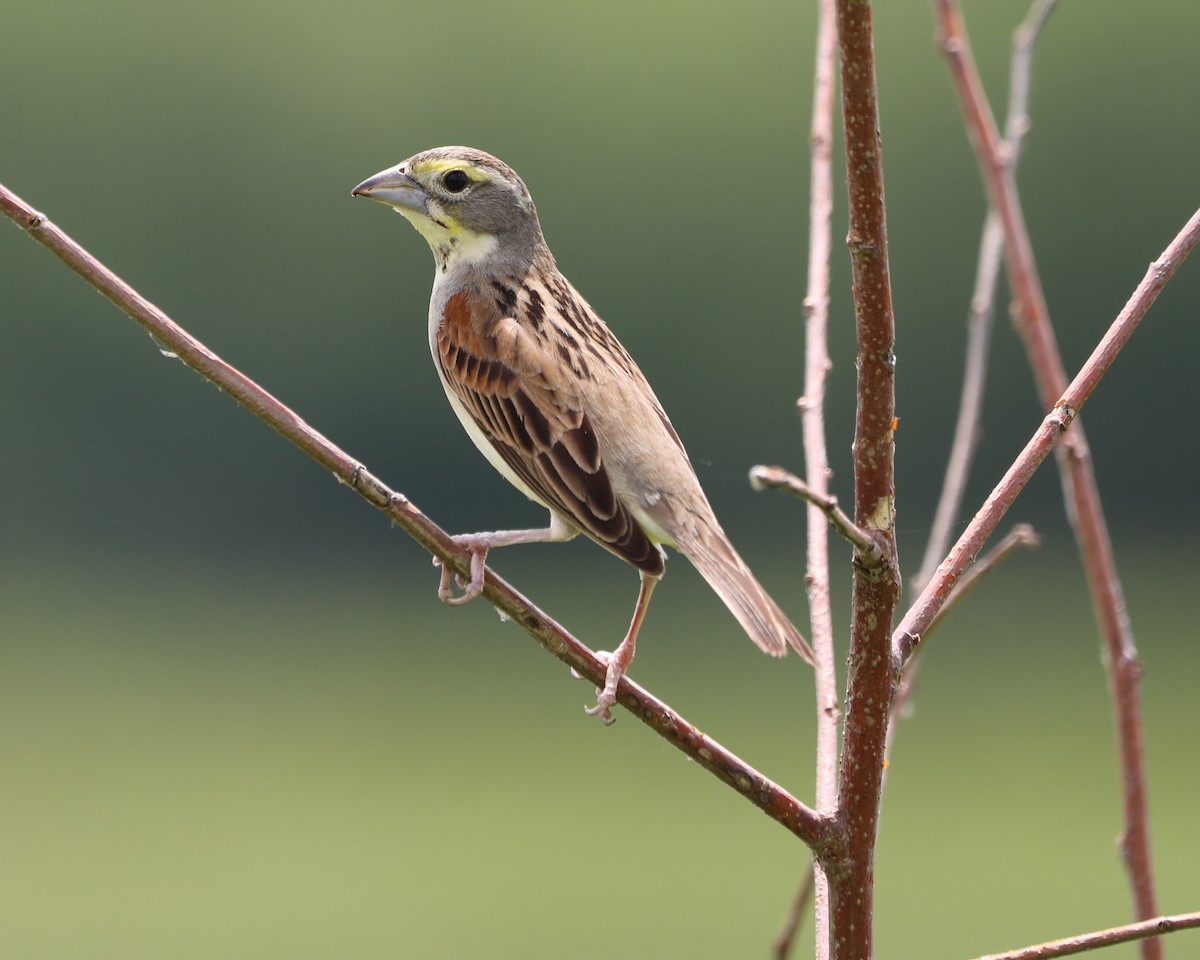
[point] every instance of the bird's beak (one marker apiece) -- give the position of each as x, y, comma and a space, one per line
393, 187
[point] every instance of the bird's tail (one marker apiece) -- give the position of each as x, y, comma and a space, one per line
759, 615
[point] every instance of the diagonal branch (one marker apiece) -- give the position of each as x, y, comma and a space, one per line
1101, 938
772, 799
925, 609
1081, 492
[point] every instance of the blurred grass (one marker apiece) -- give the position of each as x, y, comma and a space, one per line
272, 762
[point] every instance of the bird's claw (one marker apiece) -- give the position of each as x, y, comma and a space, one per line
603, 708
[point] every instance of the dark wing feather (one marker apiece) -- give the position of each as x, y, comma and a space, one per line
541, 431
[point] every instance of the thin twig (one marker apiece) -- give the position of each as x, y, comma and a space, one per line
911, 631
1076, 468
1101, 938
875, 591
776, 478
772, 799
970, 404
983, 299
781, 949
916, 621
1022, 535
814, 885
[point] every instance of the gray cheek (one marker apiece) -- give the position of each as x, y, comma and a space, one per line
491, 212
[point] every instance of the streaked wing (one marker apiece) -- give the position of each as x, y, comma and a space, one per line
501, 375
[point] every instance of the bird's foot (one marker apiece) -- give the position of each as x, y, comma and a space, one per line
478, 548
606, 696
603, 707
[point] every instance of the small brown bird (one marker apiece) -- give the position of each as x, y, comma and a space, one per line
553, 400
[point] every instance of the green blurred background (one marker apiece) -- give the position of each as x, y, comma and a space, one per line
235, 722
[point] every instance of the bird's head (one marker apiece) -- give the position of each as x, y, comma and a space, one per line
469, 206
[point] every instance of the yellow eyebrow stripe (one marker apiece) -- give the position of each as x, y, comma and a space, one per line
439, 165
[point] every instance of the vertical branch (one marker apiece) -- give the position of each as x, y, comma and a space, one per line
966, 427
979, 334
812, 405
876, 585
816, 460
1075, 465
983, 298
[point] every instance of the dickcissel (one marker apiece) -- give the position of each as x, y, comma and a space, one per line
552, 399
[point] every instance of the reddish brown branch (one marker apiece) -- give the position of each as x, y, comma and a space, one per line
917, 620
876, 583
983, 298
1075, 462
1101, 938
933, 597
772, 799
979, 338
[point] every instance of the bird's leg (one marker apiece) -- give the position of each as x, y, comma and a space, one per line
478, 545
619, 659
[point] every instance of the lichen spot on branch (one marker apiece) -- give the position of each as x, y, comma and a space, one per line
883, 516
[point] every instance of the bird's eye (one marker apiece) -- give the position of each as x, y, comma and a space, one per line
456, 181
